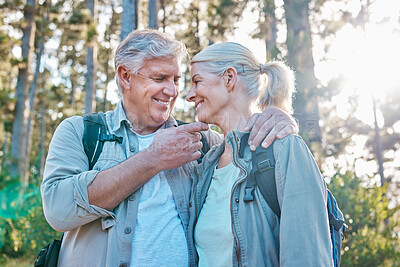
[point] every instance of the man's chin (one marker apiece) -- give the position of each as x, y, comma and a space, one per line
161, 119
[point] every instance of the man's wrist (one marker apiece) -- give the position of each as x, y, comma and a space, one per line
152, 159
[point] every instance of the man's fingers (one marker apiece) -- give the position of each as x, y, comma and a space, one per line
261, 126
195, 127
196, 155
196, 146
197, 137
289, 129
251, 122
257, 134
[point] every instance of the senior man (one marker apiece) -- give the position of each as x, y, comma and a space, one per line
131, 209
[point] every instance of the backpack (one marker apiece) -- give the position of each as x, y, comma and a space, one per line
95, 134
263, 175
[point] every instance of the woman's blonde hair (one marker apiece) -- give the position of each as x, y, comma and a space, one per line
277, 91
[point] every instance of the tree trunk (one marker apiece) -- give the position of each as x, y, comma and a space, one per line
72, 80
163, 22
91, 61
299, 44
153, 14
42, 137
22, 106
129, 20
270, 38
32, 98
5, 150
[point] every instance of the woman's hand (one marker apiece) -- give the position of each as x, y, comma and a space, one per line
270, 124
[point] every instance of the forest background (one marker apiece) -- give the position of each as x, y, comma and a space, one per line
56, 61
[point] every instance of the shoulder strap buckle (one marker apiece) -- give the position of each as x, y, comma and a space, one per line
264, 165
110, 138
249, 194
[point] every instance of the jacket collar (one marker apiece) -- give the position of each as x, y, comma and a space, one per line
237, 140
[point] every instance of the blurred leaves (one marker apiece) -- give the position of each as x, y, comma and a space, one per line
373, 233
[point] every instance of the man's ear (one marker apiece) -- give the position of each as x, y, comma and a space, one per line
230, 78
124, 77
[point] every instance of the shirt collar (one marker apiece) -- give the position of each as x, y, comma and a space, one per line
119, 118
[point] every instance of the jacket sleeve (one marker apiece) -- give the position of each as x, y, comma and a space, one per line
66, 178
304, 229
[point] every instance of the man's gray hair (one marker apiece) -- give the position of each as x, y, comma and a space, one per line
142, 45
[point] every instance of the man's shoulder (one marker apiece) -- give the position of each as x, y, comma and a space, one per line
71, 125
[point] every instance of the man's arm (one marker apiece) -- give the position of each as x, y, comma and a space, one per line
171, 148
270, 124
73, 196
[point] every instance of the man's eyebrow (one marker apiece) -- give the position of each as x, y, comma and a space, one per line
163, 75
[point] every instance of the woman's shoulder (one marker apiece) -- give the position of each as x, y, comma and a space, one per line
293, 144
290, 139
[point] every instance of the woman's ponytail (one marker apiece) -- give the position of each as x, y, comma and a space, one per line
280, 86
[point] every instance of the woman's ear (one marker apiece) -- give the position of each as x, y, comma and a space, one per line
230, 78
124, 77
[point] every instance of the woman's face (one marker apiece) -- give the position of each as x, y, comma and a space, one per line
209, 94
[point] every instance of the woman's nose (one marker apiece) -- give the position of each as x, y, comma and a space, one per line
191, 95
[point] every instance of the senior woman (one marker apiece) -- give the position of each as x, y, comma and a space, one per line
227, 83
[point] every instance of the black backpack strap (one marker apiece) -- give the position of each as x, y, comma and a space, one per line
206, 146
263, 175
94, 136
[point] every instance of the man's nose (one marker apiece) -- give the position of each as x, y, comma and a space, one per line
171, 89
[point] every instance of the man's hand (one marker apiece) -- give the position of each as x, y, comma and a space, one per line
177, 146
272, 123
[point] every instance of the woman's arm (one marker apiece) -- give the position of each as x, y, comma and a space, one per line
304, 229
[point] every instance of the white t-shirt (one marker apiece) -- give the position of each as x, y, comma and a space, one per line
159, 238
213, 232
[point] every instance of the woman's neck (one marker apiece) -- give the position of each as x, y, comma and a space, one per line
234, 120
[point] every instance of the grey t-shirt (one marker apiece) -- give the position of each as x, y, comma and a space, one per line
158, 240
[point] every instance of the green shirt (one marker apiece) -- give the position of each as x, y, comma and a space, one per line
213, 233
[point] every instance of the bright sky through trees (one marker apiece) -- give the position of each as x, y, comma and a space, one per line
366, 62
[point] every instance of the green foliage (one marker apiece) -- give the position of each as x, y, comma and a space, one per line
222, 16
24, 237
81, 16
23, 228
91, 33
373, 228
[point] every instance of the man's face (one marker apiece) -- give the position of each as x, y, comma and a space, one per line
152, 93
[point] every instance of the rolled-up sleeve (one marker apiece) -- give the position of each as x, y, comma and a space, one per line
304, 229
66, 178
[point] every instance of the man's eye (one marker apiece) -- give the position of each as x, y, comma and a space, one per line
196, 82
159, 79
176, 81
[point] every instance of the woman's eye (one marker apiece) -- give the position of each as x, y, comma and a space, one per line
196, 82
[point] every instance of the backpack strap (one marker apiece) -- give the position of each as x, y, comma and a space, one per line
94, 136
206, 146
263, 175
